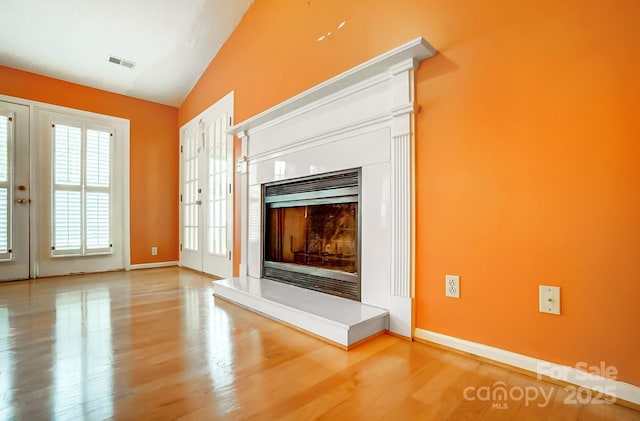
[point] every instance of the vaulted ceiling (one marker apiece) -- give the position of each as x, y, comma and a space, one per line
170, 42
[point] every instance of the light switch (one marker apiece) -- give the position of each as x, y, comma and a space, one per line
549, 299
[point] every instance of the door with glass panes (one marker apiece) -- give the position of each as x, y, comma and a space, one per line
14, 191
206, 191
80, 209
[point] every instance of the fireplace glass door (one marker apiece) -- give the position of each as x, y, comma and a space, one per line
323, 236
311, 233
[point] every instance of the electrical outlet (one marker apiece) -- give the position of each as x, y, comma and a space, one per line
452, 286
154, 251
549, 299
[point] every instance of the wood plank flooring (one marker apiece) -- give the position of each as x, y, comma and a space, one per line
155, 344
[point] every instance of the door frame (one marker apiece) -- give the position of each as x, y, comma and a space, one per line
226, 101
33, 180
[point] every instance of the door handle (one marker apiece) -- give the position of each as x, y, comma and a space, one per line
198, 202
21, 201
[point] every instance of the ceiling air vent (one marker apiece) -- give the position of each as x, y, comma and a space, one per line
122, 62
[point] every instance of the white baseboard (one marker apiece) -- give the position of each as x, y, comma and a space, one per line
572, 375
154, 265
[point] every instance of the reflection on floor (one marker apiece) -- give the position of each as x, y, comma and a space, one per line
155, 344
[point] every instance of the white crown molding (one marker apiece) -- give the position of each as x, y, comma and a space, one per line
404, 109
622, 390
404, 65
386, 65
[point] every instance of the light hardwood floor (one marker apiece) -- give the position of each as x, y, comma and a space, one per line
155, 344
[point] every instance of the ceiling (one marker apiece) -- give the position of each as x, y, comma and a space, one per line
171, 42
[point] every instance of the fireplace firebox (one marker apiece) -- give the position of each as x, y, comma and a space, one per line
312, 233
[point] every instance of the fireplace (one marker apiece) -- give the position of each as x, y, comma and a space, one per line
362, 119
311, 233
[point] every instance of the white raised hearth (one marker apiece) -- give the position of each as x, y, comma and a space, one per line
362, 118
339, 320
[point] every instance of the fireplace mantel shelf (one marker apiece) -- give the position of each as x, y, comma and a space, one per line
415, 50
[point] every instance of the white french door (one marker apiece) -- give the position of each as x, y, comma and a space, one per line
14, 191
190, 198
206, 160
64, 188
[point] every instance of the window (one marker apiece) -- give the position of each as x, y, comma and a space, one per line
81, 194
6, 131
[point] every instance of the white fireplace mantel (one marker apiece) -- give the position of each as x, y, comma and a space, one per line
411, 53
362, 118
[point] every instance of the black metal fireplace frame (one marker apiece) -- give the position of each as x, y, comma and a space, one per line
327, 188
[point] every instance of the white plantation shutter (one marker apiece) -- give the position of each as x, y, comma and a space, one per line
97, 226
68, 149
67, 201
98, 158
98, 181
5, 183
68, 225
82, 191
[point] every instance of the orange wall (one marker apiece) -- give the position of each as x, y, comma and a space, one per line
154, 155
527, 153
